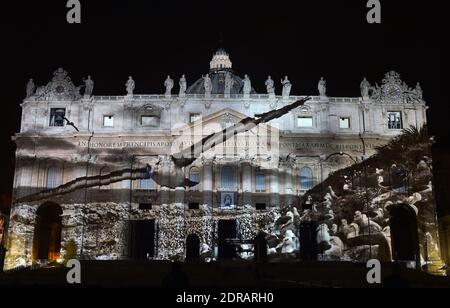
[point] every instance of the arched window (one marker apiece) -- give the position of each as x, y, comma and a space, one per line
194, 176
306, 178
52, 177
104, 171
227, 177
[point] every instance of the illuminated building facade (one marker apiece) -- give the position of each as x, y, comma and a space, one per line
251, 184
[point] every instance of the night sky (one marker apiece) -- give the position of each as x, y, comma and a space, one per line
151, 39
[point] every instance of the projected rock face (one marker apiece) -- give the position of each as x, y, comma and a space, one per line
115, 189
382, 207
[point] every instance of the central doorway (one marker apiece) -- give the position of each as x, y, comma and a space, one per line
227, 232
142, 239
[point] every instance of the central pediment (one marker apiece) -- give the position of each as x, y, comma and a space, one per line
220, 120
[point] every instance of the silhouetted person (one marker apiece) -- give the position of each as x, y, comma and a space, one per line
176, 278
396, 281
260, 247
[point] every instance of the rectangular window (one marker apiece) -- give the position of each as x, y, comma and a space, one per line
395, 120
193, 205
344, 123
304, 122
260, 206
193, 117
147, 184
260, 182
145, 206
108, 121
57, 116
149, 120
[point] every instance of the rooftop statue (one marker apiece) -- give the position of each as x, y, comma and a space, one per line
168, 83
229, 82
286, 87
89, 86
183, 86
247, 85
419, 91
322, 87
270, 86
207, 84
130, 85
30, 88
365, 87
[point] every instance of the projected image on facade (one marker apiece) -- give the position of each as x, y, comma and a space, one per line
212, 170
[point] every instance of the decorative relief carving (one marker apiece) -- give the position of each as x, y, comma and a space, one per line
227, 120
165, 160
306, 110
181, 101
273, 104
394, 90
59, 88
167, 104
148, 109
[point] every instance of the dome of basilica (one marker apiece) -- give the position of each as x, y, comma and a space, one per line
220, 65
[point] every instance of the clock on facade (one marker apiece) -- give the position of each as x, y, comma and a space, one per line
59, 89
393, 91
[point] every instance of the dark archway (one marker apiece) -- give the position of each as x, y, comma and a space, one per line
404, 233
192, 248
47, 232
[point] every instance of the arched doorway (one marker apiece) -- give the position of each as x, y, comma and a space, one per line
192, 248
47, 232
404, 233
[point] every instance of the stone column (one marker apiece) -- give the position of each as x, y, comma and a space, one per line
85, 114
287, 187
246, 183
165, 164
208, 182
289, 181
274, 188
129, 113
180, 188
322, 119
